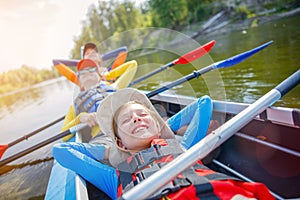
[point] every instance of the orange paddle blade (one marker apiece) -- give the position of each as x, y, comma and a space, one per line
3, 149
120, 59
68, 73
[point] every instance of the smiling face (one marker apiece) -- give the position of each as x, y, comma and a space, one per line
89, 77
136, 127
95, 56
92, 54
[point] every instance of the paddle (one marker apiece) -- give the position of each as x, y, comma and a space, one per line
221, 64
105, 56
225, 63
187, 58
211, 141
4, 147
62, 65
72, 130
119, 60
68, 73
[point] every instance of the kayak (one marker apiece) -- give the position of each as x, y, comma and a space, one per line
266, 150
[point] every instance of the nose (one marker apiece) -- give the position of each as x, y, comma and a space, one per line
136, 118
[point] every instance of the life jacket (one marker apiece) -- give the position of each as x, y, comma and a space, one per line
197, 182
89, 100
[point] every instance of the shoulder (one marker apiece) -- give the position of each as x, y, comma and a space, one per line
106, 85
102, 139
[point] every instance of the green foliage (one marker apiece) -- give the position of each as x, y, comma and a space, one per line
108, 19
254, 23
241, 12
23, 77
172, 13
200, 10
282, 5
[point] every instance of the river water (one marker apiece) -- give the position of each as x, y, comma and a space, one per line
25, 111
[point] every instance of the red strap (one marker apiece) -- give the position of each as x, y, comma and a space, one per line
160, 142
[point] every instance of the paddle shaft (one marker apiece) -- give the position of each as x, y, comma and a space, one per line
151, 73
186, 58
106, 56
210, 142
72, 130
221, 64
181, 80
25, 137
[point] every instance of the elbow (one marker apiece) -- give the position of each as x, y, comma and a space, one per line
58, 151
205, 100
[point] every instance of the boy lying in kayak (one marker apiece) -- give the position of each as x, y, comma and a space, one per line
94, 88
138, 143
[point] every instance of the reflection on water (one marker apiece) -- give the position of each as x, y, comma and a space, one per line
40, 105
27, 182
249, 80
19, 98
21, 113
29, 95
254, 77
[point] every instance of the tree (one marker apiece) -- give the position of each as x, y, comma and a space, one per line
172, 13
108, 19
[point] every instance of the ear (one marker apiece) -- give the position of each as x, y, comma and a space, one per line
120, 144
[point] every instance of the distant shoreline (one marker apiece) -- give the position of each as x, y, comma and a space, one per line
43, 83
245, 24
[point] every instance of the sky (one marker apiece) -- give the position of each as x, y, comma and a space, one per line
33, 32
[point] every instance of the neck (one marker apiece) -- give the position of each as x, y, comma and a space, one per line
89, 85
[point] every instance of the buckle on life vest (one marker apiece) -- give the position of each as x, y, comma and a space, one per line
171, 187
141, 160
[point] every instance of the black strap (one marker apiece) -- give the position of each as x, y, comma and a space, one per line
82, 98
171, 187
148, 156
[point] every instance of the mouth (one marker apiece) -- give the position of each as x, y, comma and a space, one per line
139, 128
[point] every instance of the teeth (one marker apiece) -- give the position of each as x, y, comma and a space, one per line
138, 129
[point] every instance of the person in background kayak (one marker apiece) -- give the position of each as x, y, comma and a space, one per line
132, 126
90, 51
94, 88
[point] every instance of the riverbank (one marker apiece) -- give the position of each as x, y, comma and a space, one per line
223, 24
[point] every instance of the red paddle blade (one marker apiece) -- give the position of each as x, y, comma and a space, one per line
3, 149
195, 54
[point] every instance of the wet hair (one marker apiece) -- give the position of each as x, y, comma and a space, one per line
117, 113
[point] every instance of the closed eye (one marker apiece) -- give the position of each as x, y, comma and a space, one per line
125, 120
143, 114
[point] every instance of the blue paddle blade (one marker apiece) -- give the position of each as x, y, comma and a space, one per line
240, 57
